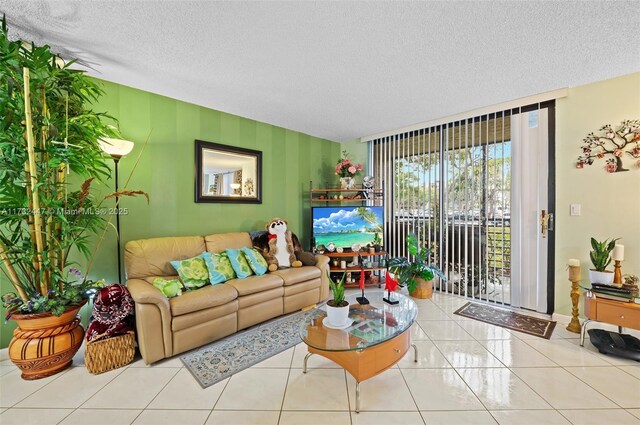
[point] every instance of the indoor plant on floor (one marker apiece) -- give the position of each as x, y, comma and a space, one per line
416, 273
49, 157
337, 307
600, 256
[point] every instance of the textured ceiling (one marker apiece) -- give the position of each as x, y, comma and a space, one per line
340, 70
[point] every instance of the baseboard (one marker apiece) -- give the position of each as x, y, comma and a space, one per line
562, 318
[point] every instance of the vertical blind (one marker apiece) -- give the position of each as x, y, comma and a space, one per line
450, 184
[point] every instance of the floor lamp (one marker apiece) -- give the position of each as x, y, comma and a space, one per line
116, 148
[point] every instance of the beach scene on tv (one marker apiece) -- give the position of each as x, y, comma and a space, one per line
345, 226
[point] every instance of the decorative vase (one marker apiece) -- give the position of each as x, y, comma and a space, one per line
337, 316
347, 182
605, 277
44, 344
424, 289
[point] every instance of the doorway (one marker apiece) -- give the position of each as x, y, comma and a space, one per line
473, 190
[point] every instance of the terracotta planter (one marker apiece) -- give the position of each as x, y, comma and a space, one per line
424, 289
44, 344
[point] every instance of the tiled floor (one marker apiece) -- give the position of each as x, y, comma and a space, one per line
467, 372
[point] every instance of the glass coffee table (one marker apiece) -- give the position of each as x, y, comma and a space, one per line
376, 340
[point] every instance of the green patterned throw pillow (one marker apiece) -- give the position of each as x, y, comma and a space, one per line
239, 263
219, 266
169, 287
256, 261
193, 272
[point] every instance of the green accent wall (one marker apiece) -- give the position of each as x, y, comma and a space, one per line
166, 172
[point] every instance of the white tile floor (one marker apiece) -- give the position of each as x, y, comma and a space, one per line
467, 372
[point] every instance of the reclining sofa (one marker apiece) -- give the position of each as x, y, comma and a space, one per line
166, 327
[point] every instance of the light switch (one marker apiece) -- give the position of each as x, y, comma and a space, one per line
575, 209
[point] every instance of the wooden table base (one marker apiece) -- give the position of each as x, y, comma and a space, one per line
368, 362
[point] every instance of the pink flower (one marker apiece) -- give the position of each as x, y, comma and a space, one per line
359, 167
352, 169
610, 134
618, 152
611, 168
600, 155
580, 164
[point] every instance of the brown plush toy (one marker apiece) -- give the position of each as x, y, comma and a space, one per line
280, 251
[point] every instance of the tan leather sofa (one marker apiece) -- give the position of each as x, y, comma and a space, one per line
166, 327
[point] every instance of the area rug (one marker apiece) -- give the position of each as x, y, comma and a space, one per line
220, 359
507, 319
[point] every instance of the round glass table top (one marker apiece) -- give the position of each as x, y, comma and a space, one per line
370, 324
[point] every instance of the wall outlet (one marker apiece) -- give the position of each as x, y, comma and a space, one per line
575, 209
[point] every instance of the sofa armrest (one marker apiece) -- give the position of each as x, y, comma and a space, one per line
153, 321
322, 262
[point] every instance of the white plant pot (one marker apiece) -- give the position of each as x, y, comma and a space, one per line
337, 316
605, 277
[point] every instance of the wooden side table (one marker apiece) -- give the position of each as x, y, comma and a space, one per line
621, 314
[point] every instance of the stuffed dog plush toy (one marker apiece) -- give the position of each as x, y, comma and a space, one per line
280, 252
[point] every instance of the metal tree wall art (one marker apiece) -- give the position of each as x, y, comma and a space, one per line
613, 145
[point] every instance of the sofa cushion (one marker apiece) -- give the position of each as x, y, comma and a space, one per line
222, 241
253, 284
151, 257
193, 272
295, 275
239, 263
256, 261
202, 316
207, 297
220, 269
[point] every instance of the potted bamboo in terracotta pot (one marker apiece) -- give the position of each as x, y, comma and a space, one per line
416, 272
49, 157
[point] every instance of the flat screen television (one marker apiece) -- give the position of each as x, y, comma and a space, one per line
345, 226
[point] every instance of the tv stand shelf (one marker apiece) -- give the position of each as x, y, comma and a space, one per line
372, 280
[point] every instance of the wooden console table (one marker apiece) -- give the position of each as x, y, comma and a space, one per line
621, 314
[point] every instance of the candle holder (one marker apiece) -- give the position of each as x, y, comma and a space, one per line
574, 277
617, 272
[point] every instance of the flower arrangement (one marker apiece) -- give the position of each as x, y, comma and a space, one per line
613, 144
346, 168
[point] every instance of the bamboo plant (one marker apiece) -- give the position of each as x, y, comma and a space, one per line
48, 140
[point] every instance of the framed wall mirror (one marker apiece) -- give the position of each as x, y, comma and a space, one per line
228, 174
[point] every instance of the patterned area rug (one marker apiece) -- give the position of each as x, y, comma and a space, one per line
220, 359
507, 319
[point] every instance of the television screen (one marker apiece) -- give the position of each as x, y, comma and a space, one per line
345, 226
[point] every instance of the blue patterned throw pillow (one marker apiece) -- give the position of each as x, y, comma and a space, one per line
239, 263
220, 269
256, 261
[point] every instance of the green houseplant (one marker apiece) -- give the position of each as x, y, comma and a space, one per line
49, 159
337, 307
416, 272
600, 256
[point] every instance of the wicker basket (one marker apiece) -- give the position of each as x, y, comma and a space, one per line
108, 354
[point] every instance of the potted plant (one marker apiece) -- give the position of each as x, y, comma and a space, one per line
347, 171
418, 273
600, 258
377, 242
49, 158
337, 307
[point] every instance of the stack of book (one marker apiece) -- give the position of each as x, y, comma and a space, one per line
625, 293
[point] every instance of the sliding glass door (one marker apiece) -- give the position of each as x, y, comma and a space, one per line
453, 186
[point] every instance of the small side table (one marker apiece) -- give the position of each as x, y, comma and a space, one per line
621, 314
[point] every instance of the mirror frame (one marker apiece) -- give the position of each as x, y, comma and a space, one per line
201, 145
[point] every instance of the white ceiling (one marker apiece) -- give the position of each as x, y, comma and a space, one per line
340, 70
